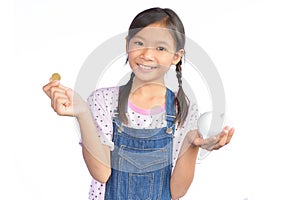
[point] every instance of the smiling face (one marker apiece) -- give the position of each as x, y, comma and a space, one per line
151, 52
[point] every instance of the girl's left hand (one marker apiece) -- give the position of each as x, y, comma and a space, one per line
215, 142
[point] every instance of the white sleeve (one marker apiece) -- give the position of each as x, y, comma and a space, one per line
189, 125
191, 119
101, 103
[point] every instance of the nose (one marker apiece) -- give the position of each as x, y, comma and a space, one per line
147, 53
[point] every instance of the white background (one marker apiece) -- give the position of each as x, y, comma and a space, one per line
253, 43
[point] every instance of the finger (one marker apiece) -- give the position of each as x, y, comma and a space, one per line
70, 94
62, 109
60, 106
221, 143
56, 95
227, 137
223, 133
47, 87
222, 138
63, 87
68, 91
54, 90
218, 146
230, 134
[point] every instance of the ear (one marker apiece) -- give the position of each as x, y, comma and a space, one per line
177, 56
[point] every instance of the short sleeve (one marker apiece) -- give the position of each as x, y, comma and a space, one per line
102, 103
192, 118
189, 124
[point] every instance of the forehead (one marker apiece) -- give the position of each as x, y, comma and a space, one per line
156, 33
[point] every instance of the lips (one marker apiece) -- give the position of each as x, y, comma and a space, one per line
146, 67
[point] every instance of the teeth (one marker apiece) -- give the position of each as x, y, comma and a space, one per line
146, 67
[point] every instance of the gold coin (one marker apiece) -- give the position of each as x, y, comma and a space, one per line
55, 76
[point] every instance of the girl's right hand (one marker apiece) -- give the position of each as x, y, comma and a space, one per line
64, 101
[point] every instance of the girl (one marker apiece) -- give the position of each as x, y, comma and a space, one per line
148, 135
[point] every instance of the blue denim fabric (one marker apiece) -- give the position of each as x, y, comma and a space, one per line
142, 160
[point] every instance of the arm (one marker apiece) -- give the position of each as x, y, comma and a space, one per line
184, 169
96, 155
65, 102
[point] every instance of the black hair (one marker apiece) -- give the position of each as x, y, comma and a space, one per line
172, 22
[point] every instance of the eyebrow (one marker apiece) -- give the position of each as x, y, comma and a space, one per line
157, 42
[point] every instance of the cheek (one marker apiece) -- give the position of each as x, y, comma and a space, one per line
132, 56
165, 69
131, 62
168, 62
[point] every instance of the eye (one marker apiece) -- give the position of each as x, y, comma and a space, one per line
161, 49
139, 43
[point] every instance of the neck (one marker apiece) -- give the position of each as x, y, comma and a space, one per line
148, 89
147, 96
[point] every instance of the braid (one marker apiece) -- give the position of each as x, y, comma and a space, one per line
123, 99
179, 74
181, 99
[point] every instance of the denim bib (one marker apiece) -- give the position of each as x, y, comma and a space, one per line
141, 161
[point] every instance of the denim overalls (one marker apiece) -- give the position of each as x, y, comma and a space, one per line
141, 161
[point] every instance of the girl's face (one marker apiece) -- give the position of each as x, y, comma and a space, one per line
151, 52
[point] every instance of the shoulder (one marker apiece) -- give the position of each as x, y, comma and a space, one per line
108, 94
104, 99
192, 116
104, 92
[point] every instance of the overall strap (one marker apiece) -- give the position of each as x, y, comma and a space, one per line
170, 111
116, 120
